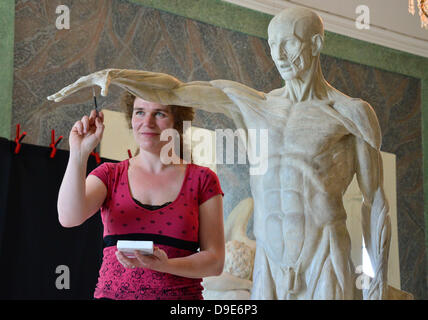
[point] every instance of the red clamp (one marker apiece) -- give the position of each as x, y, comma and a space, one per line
97, 156
54, 143
19, 138
129, 154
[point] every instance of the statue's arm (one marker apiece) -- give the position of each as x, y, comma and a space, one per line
376, 222
157, 87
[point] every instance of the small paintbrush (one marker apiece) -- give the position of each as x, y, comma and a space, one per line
95, 101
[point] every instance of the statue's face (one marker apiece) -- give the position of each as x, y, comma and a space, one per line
292, 55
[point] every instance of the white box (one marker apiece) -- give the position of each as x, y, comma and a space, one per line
128, 247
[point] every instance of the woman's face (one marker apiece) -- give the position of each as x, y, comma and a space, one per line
149, 119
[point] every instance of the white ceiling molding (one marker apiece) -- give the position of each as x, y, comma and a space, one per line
343, 25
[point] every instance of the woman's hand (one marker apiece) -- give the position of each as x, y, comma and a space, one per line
158, 261
100, 78
86, 133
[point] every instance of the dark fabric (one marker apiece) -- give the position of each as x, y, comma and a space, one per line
32, 242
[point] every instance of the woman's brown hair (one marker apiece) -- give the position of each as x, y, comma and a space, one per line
179, 114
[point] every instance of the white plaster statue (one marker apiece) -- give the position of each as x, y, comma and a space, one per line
318, 138
235, 281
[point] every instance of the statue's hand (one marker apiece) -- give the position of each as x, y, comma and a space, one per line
100, 78
378, 290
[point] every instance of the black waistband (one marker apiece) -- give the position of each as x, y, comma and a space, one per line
111, 240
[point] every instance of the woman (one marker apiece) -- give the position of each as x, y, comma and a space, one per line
177, 205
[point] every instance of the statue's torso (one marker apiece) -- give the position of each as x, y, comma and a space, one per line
310, 164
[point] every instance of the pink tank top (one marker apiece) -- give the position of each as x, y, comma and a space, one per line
173, 228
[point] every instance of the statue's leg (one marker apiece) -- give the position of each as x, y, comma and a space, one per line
263, 284
335, 281
328, 287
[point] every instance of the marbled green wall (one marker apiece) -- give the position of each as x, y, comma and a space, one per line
7, 14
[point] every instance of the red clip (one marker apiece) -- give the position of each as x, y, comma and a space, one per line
97, 156
54, 144
129, 154
19, 138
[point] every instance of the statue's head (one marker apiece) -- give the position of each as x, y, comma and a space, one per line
296, 37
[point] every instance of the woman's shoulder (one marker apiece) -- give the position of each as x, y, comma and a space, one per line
200, 168
114, 165
207, 180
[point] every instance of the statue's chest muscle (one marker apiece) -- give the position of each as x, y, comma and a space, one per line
308, 128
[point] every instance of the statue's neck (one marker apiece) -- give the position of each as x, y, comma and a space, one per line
310, 86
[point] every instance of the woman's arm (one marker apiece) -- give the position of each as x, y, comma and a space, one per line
80, 198
208, 261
